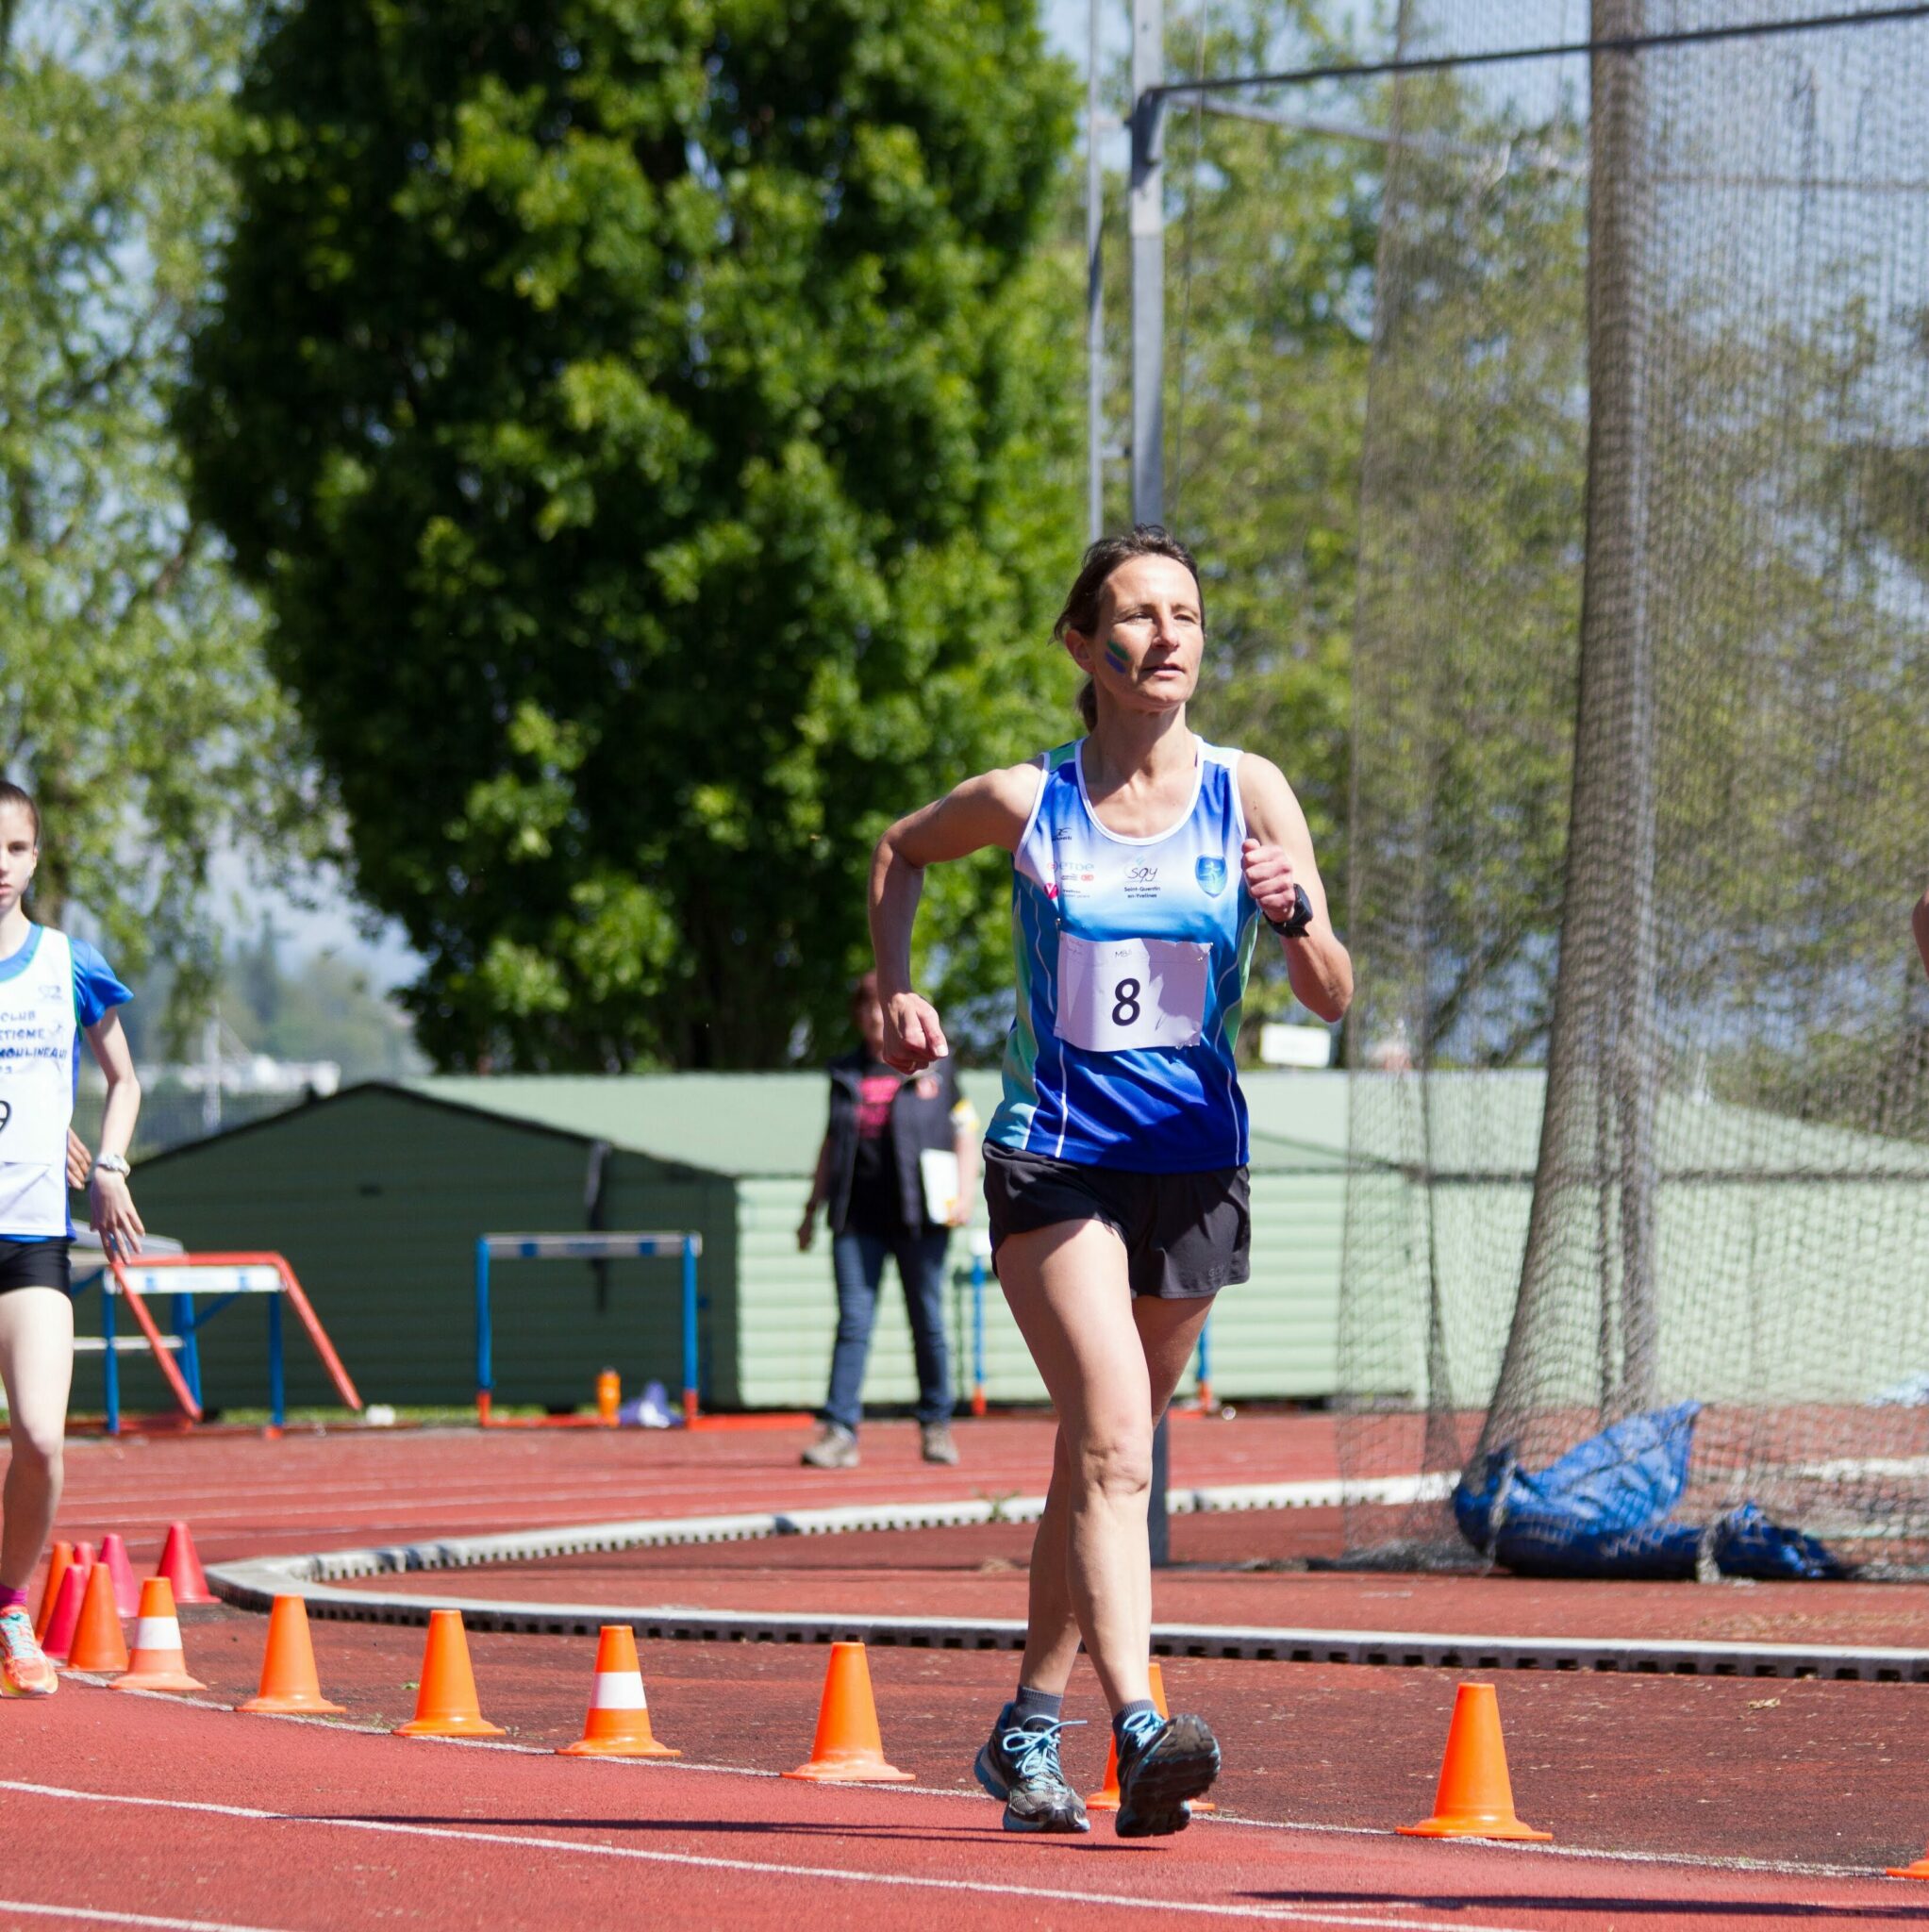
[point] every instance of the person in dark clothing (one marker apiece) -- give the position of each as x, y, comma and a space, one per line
887, 1199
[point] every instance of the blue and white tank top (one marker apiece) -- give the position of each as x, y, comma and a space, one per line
49, 989
1132, 961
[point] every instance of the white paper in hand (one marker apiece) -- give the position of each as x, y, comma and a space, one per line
937, 1170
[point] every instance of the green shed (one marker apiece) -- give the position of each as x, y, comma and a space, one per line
377, 1195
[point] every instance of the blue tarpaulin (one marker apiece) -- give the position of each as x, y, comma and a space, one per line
1604, 1510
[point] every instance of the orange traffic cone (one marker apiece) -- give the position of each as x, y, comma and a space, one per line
1106, 1797
158, 1663
62, 1626
98, 1644
619, 1723
58, 1566
848, 1749
126, 1590
288, 1670
1475, 1798
182, 1566
446, 1704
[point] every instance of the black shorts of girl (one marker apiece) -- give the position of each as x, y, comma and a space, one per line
1185, 1235
35, 1264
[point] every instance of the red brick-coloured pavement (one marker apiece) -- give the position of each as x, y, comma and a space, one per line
1320, 1760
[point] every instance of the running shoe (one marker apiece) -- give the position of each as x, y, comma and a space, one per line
937, 1442
1163, 1762
24, 1670
1020, 1764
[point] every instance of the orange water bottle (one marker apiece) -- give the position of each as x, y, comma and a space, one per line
608, 1397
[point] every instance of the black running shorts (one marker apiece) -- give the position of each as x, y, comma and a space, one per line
1185, 1235
35, 1264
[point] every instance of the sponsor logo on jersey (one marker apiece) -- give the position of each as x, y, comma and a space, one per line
1141, 882
1077, 878
1210, 873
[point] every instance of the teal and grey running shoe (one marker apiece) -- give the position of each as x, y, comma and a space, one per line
1162, 1764
1020, 1764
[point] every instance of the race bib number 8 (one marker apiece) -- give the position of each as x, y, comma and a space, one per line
1118, 995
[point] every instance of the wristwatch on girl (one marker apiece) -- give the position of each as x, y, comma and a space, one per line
1294, 926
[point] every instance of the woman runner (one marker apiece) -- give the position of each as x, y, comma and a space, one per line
52, 988
1143, 860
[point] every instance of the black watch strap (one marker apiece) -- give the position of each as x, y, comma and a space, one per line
1295, 926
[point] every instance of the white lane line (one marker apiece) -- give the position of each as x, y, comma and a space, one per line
93, 1915
975, 1888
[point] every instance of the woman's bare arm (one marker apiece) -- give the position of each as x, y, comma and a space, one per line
1279, 855
989, 809
113, 1216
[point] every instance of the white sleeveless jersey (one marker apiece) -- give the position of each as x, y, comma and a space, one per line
38, 1031
1132, 960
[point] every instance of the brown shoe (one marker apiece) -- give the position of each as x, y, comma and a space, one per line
835, 1447
939, 1446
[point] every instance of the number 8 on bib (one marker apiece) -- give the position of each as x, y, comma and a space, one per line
1115, 995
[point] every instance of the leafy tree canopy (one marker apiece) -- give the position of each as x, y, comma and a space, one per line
133, 700
638, 417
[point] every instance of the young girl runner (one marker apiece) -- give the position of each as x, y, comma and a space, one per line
52, 988
1143, 861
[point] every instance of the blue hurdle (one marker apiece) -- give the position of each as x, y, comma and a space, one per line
584, 1247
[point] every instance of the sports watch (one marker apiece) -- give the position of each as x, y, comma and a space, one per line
1302, 916
112, 1163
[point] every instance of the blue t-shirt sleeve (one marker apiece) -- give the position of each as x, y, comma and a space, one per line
96, 991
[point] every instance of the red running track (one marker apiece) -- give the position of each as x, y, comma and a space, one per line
249, 1497
136, 1811
1322, 1761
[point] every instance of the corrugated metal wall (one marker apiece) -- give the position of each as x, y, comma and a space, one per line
1275, 1334
376, 1198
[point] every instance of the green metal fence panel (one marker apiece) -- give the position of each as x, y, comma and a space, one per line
376, 1199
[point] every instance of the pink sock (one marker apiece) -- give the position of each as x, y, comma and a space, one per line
12, 1599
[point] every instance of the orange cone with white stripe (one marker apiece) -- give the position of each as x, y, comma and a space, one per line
619, 1723
157, 1664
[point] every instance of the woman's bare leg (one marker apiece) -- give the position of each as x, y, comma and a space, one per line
37, 1365
1111, 1364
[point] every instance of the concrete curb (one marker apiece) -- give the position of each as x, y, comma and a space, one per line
318, 1579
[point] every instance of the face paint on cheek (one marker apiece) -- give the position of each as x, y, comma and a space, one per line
1116, 656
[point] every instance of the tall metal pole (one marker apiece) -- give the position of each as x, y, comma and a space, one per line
1094, 293
1614, 627
1146, 205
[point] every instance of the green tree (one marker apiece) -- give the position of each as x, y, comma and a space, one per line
646, 439
132, 695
